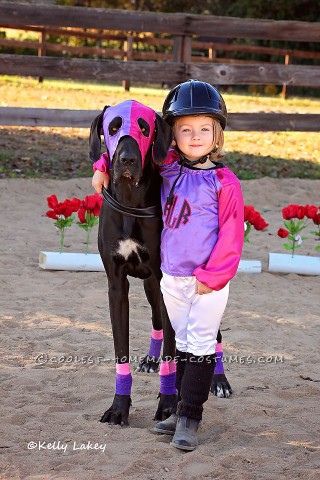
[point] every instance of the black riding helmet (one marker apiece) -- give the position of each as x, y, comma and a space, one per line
194, 98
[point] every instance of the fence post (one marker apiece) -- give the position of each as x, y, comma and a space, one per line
41, 48
182, 48
212, 54
128, 50
287, 61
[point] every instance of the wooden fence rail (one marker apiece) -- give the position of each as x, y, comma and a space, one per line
174, 23
55, 117
145, 71
133, 66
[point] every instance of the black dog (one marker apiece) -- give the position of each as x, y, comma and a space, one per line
130, 227
137, 139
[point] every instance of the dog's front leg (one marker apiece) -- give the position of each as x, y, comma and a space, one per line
150, 363
118, 413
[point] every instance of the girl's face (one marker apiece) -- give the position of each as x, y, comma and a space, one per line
194, 135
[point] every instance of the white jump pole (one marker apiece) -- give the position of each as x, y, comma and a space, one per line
249, 266
302, 264
71, 261
92, 262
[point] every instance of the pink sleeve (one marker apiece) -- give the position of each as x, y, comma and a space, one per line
225, 256
102, 164
171, 157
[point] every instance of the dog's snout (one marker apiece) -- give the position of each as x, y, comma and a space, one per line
128, 159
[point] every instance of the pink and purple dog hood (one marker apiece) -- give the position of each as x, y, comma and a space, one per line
129, 111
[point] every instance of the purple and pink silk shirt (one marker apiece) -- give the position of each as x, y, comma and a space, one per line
203, 227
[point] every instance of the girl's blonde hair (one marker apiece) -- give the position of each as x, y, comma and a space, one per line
218, 139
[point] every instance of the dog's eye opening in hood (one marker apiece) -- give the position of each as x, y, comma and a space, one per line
144, 127
114, 126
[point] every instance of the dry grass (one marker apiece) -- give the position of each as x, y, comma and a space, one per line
62, 152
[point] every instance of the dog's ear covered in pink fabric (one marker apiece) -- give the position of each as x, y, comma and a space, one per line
95, 136
163, 139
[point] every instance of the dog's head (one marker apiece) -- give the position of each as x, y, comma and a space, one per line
130, 131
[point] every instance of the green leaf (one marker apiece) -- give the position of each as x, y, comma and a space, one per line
68, 221
317, 248
287, 224
287, 246
84, 226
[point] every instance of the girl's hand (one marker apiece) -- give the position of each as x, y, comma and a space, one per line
99, 179
201, 288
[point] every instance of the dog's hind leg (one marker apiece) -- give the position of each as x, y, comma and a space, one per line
220, 385
167, 396
150, 363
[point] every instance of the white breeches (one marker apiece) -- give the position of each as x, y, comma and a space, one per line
194, 318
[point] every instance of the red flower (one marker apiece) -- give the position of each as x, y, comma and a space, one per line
283, 233
254, 218
311, 211
92, 205
316, 219
294, 211
65, 208
289, 212
260, 224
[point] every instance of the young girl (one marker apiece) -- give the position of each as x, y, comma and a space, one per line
201, 244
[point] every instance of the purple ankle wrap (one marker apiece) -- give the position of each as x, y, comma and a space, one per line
123, 384
168, 384
155, 348
219, 368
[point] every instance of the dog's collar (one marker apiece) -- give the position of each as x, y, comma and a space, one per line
145, 212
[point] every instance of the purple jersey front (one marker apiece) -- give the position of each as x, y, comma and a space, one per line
204, 225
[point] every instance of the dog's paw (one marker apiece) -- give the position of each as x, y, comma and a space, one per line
166, 406
220, 387
118, 413
148, 365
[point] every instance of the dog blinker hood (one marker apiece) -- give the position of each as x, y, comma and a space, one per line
129, 113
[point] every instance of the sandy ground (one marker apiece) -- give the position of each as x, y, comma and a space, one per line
51, 403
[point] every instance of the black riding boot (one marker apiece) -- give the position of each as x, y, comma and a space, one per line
168, 426
194, 393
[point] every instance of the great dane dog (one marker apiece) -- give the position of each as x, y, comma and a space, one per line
137, 140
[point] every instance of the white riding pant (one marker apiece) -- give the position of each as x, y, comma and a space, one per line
195, 318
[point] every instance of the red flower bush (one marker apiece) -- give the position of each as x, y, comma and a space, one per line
62, 213
295, 218
252, 218
88, 214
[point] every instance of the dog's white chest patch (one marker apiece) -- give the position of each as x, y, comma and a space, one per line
127, 247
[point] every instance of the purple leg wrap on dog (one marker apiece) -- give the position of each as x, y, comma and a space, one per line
123, 379
168, 378
219, 368
155, 343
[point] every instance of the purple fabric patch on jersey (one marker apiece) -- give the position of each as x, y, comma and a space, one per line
168, 384
123, 384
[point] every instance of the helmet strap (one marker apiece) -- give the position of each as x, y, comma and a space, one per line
191, 163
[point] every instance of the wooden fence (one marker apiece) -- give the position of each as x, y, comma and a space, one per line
136, 66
